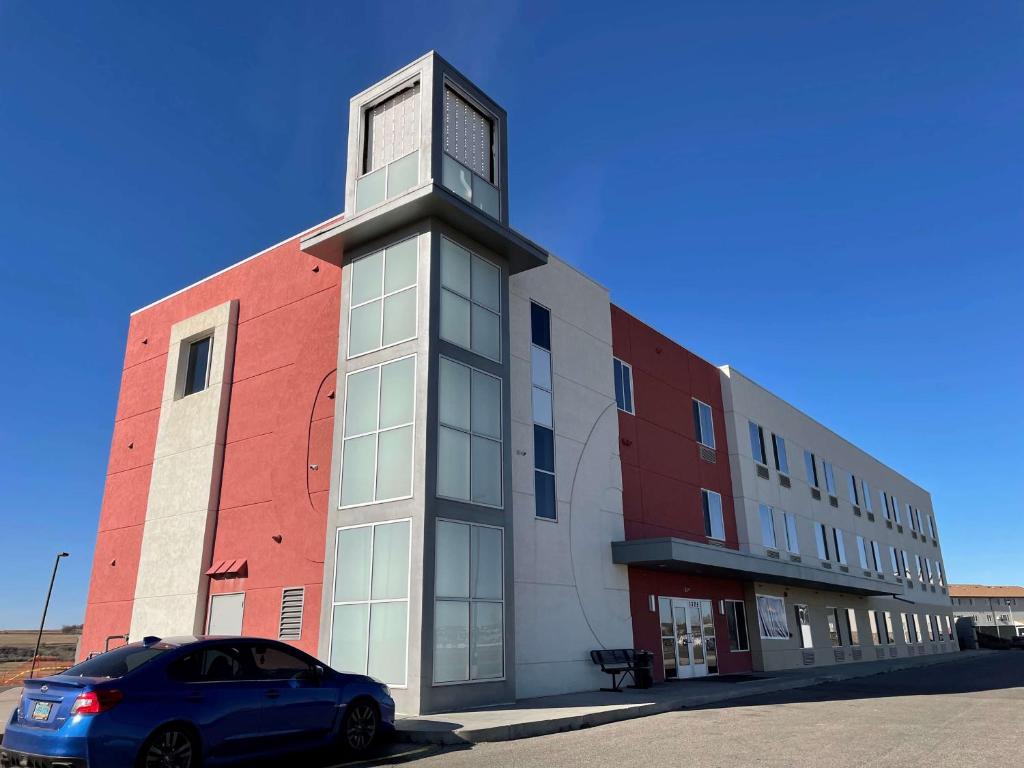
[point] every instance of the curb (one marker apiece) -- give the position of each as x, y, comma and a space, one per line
525, 730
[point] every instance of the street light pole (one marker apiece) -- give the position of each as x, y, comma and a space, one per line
46, 606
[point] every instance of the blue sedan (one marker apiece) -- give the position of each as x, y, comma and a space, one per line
186, 702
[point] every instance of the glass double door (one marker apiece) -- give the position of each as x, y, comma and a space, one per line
687, 637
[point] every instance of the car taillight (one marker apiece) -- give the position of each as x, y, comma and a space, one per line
94, 702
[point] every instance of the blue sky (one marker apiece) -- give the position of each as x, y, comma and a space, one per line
826, 195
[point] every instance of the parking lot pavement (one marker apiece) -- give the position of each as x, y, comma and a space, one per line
962, 714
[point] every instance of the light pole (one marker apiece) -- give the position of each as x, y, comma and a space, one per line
46, 607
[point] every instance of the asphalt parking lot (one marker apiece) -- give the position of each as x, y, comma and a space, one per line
963, 713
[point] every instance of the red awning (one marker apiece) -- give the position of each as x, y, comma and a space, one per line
226, 569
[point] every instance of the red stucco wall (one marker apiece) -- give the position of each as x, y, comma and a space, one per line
663, 474
280, 421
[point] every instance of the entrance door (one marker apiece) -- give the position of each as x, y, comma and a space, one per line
688, 638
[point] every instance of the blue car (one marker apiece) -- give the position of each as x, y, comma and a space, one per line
187, 702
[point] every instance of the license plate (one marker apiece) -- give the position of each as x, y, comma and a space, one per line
41, 710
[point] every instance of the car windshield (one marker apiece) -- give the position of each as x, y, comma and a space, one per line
118, 662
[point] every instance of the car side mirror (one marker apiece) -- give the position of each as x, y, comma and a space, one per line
314, 674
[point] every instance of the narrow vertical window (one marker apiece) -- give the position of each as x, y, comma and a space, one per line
830, 478
866, 494
853, 490
623, 385
811, 466
835, 632
873, 622
757, 448
884, 498
768, 527
703, 425
736, 620
822, 541
543, 413
468, 162
894, 562
779, 451
896, 509
714, 523
390, 148
792, 542
197, 368
877, 554
837, 536
862, 553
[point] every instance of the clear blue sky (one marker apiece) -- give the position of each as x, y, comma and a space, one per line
826, 195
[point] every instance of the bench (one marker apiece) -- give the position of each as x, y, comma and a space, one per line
617, 662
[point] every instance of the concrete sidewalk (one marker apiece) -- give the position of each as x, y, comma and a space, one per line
552, 714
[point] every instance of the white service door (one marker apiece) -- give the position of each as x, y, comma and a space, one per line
225, 616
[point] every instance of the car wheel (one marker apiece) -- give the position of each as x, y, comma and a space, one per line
170, 747
360, 727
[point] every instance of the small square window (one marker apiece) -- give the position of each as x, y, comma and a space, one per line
197, 371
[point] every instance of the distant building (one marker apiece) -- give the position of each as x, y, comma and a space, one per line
995, 610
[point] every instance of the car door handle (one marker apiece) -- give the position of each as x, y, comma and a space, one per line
272, 694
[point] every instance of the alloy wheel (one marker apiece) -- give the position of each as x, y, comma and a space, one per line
360, 726
169, 749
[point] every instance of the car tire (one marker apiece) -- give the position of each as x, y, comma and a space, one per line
360, 727
173, 746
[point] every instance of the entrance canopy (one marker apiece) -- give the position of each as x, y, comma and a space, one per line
707, 560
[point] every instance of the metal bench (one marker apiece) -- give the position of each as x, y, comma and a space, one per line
617, 662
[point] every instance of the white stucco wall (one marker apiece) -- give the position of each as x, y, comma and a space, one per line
569, 596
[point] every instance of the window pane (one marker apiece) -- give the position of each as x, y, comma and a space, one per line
388, 632
543, 448
370, 189
486, 405
812, 472
394, 463
540, 367
361, 402
767, 527
457, 177
390, 561
452, 463
198, 366
364, 329
486, 333
627, 388
486, 280
542, 407
741, 625
357, 471
453, 395
348, 639
399, 317
455, 267
367, 274
792, 542
487, 559
400, 265
487, 654
713, 522
396, 392
403, 173
486, 470
452, 560
451, 641
781, 459
620, 400
540, 326
544, 488
352, 565
454, 319
707, 427
485, 197
755, 443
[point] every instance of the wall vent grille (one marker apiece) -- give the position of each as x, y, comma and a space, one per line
815, 494
762, 472
892, 651
839, 654
871, 516
826, 565
834, 501
291, 613
844, 569
899, 528
857, 512
888, 523
795, 558
857, 654
808, 658
880, 653
772, 553
913, 535
708, 454
784, 481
